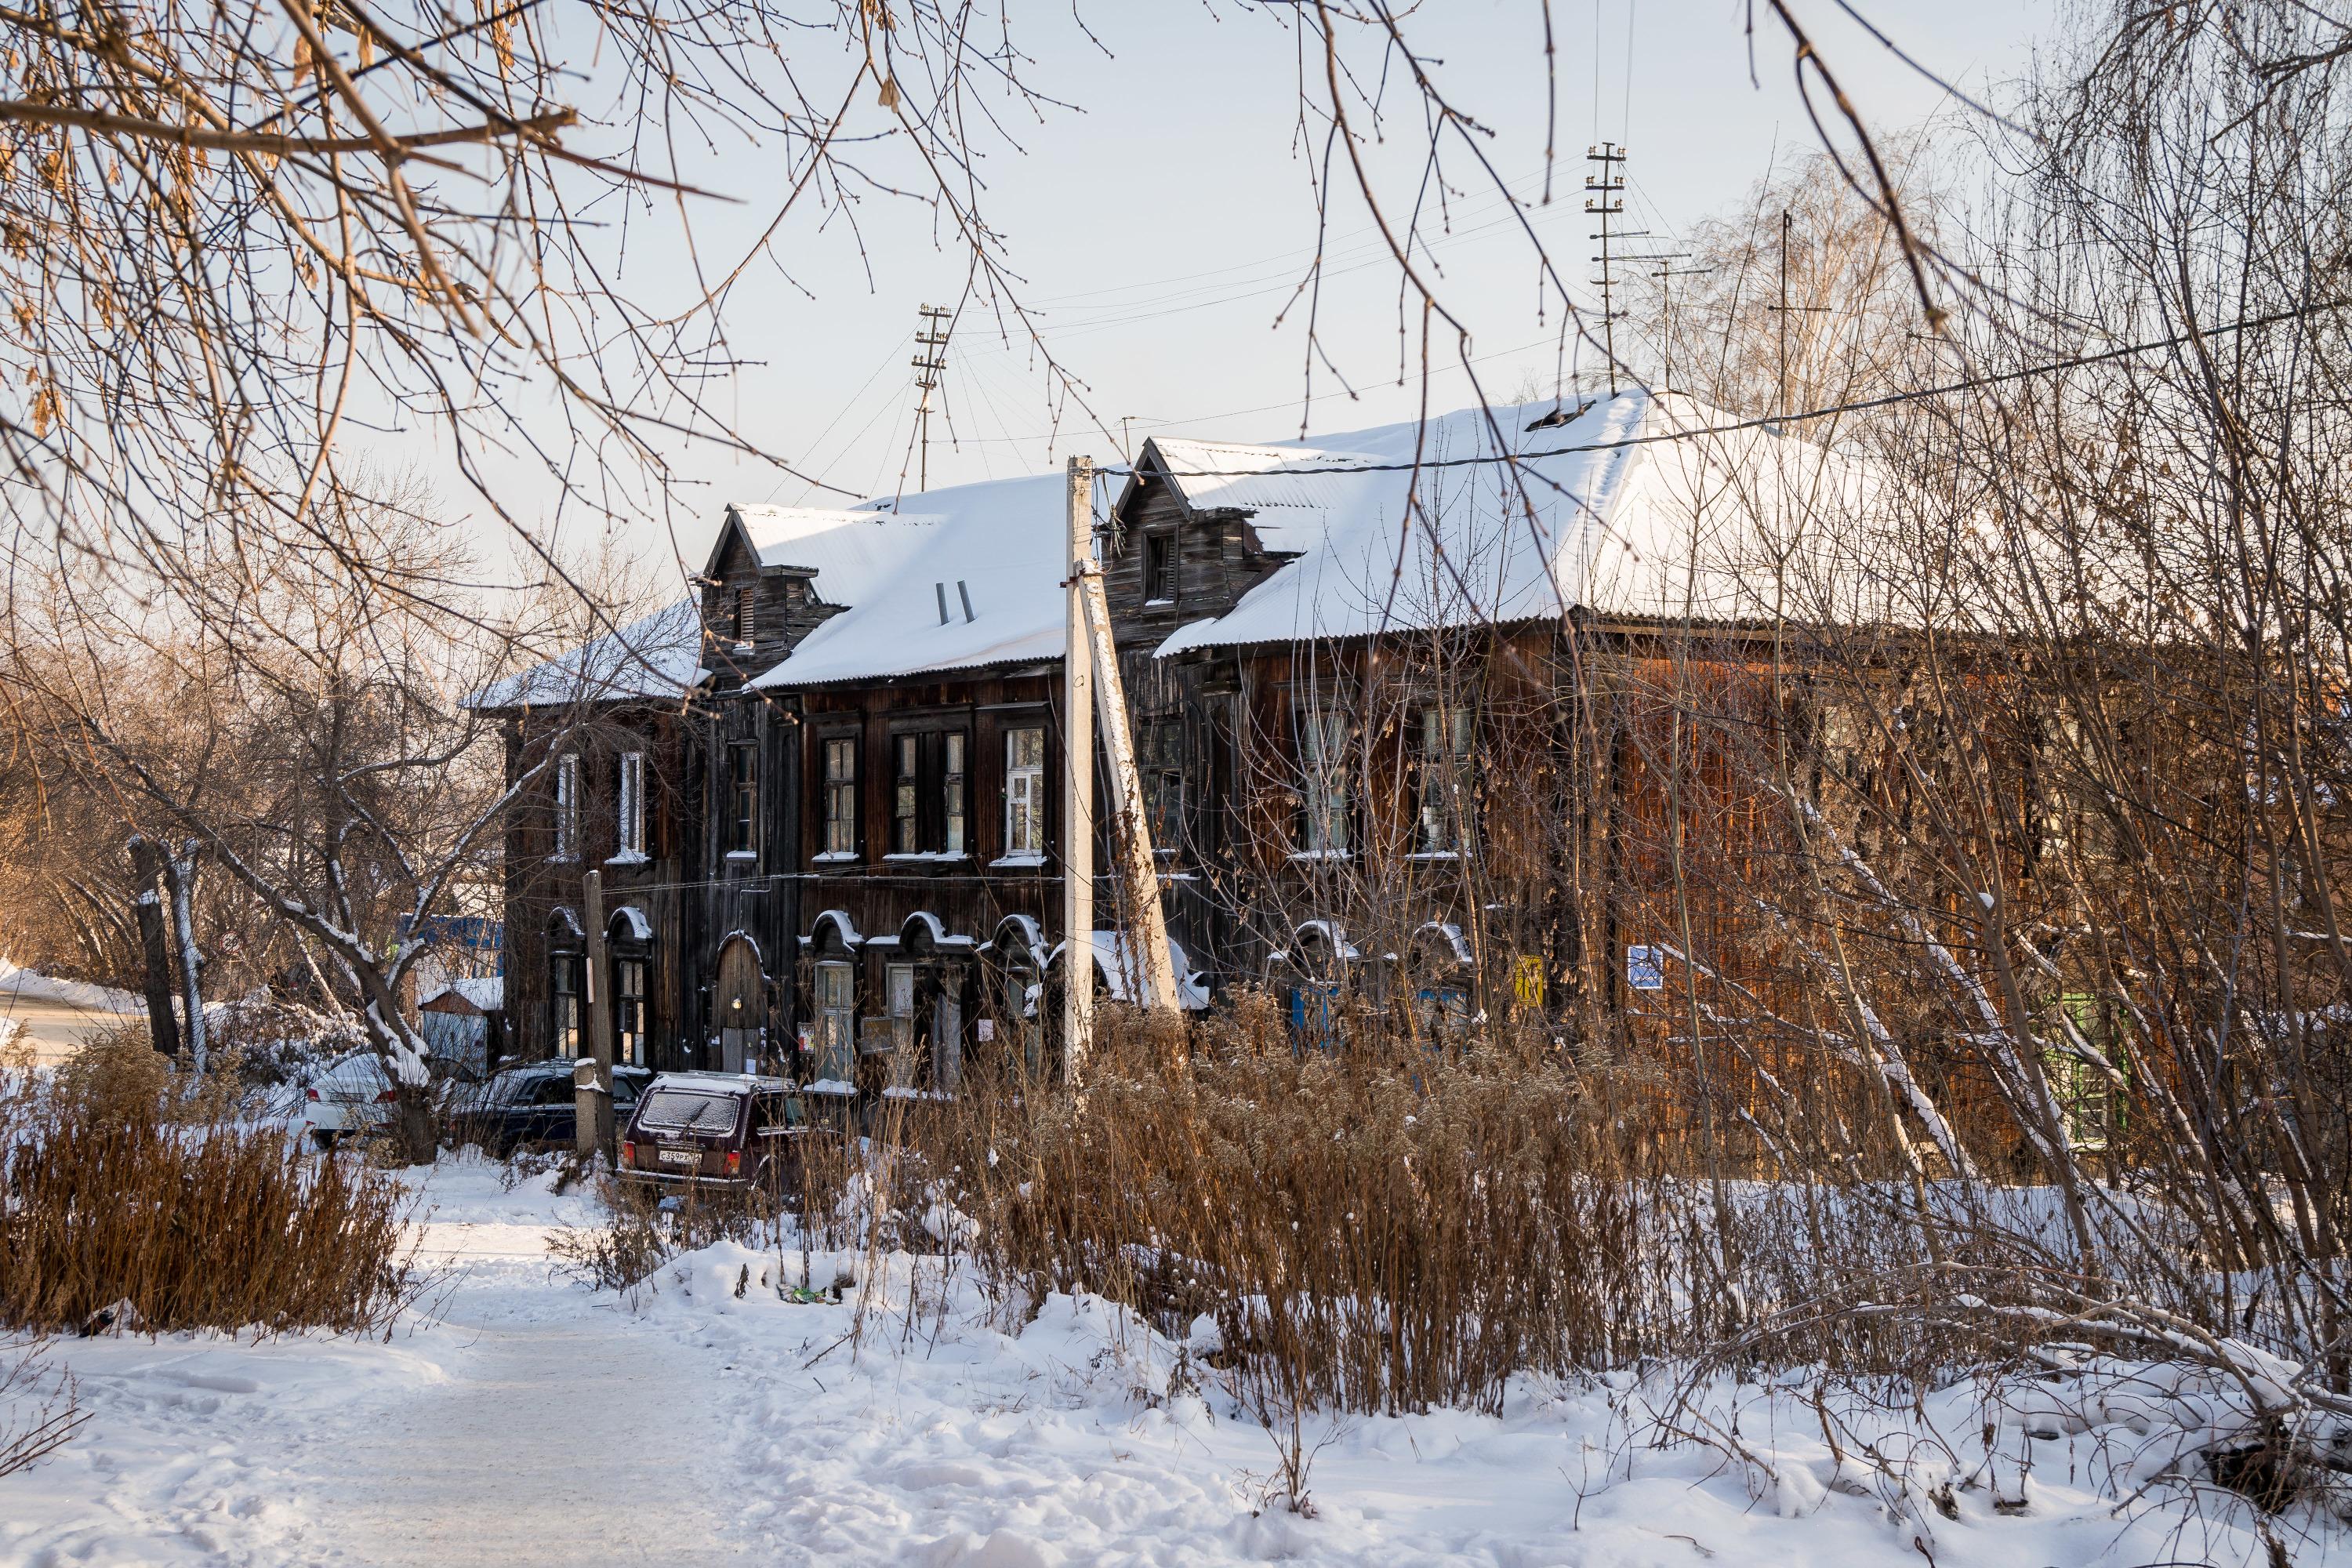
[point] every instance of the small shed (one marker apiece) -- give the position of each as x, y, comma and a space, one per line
463, 1021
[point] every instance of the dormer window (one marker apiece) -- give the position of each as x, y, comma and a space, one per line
1159, 568
743, 598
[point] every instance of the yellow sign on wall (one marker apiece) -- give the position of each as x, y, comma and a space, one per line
1527, 982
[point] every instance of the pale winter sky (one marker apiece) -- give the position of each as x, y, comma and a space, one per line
1163, 220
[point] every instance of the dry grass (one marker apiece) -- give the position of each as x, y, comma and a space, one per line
39, 1414
1395, 1227
117, 1213
1387, 1231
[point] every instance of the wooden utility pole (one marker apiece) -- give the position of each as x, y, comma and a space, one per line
1607, 182
1147, 925
163, 1025
591, 1080
931, 362
1078, 785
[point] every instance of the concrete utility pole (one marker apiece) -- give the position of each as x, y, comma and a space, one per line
591, 1080
1133, 824
1078, 785
162, 1027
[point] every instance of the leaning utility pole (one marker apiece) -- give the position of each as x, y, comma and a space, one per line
1147, 923
1078, 785
930, 360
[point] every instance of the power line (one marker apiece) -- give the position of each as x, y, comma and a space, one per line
1769, 421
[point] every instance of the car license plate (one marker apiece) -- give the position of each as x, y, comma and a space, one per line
681, 1156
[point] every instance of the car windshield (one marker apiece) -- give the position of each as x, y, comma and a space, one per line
684, 1111
512, 1087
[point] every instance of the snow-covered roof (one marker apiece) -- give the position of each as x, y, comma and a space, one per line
1287, 508
1636, 507
951, 579
658, 655
488, 992
851, 550
1637, 524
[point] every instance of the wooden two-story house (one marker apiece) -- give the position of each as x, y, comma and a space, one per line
1363, 678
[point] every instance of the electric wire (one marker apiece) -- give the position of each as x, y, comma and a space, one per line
1769, 421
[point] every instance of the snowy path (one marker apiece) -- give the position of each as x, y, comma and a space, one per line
551, 1444
521, 1418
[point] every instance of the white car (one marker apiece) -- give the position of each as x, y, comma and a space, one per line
352, 1095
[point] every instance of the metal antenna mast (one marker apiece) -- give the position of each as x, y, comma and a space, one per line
1784, 310
1606, 181
930, 359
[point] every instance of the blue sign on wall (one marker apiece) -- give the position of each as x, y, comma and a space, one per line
1645, 968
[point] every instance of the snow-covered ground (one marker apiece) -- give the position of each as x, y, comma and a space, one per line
521, 1417
58, 1015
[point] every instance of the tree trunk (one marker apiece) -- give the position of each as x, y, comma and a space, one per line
180, 877
163, 1028
413, 1126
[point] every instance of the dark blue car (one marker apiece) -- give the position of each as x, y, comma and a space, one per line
530, 1105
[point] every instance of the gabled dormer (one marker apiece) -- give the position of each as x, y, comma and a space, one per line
755, 606
1200, 523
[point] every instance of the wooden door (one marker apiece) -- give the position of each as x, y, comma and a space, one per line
740, 1008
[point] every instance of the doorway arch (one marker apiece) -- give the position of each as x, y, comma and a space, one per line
738, 1006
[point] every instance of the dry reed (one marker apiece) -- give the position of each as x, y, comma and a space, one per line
112, 1216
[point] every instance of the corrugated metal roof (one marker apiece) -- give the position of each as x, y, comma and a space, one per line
1722, 527
998, 545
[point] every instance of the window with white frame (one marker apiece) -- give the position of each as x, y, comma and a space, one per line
1441, 776
629, 1011
836, 1020
629, 808
1024, 792
951, 792
567, 806
1323, 817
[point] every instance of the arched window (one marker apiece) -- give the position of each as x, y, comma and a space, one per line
564, 976
629, 942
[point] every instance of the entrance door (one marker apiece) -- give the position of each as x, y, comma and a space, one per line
740, 1008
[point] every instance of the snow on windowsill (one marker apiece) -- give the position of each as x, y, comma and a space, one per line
830, 1086
903, 1091
1016, 862
834, 858
742, 855
629, 858
1434, 855
1322, 855
929, 854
